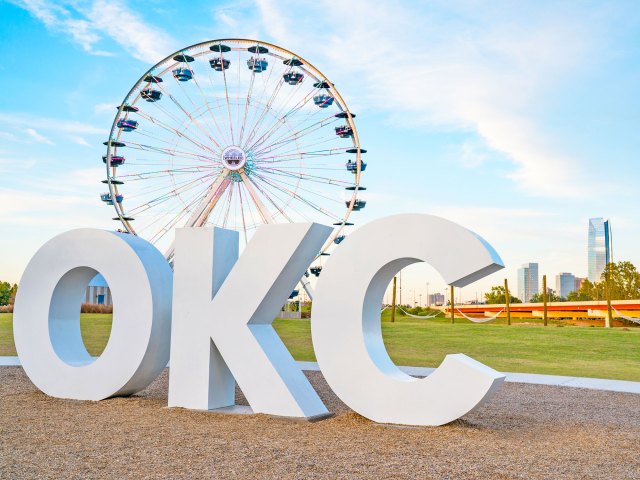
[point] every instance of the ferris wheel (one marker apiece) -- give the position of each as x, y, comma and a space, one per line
233, 133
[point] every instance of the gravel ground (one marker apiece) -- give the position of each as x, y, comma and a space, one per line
525, 431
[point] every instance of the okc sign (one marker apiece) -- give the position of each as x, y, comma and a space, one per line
212, 318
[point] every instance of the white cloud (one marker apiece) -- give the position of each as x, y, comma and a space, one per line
89, 22
455, 65
105, 108
37, 137
79, 140
142, 41
227, 19
8, 136
50, 124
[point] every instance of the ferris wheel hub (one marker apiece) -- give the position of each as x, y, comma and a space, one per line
234, 158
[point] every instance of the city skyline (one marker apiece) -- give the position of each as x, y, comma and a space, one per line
515, 155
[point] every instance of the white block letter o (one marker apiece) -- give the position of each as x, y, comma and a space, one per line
46, 321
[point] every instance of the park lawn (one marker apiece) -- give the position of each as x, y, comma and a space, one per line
557, 350
95, 328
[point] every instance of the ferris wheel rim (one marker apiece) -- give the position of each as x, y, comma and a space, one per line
113, 145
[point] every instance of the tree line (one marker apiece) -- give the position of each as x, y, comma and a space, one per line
622, 279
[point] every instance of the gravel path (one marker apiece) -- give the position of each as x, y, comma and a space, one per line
525, 431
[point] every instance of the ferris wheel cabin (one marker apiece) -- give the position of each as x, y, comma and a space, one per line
127, 125
219, 64
106, 198
151, 95
323, 100
257, 64
115, 160
182, 74
293, 78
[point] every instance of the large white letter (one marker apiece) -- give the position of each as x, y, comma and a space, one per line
46, 321
345, 321
231, 336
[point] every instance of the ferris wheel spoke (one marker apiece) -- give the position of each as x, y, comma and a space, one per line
186, 206
263, 115
172, 223
267, 106
201, 213
181, 124
287, 157
132, 177
227, 129
167, 196
262, 210
206, 102
174, 131
173, 153
228, 206
188, 115
296, 186
270, 198
308, 177
241, 202
297, 135
171, 182
226, 94
246, 105
281, 120
308, 145
146, 135
295, 196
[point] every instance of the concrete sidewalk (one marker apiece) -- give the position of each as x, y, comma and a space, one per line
534, 378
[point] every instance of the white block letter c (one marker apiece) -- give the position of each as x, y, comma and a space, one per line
346, 330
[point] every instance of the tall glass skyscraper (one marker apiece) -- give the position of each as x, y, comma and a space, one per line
565, 284
600, 251
527, 281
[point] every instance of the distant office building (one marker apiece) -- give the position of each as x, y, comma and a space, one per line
98, 291
527, 281
436, 299
578, 283
565, 284
600, 249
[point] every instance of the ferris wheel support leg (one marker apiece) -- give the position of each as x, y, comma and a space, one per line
306, 284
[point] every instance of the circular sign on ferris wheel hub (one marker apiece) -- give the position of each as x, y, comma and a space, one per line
234, 158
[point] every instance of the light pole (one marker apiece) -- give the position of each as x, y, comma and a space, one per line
428, 299
420, 300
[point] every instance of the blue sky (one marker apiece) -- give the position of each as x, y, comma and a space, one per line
518, 120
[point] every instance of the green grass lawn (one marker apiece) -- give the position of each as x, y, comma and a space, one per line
532, 348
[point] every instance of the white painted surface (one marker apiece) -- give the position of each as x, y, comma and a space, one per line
222, 315
46, 319
346, 330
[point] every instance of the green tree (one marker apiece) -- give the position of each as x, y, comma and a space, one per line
497, 295
624, 280
624, 283
551, 297
580, 295
7, 293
